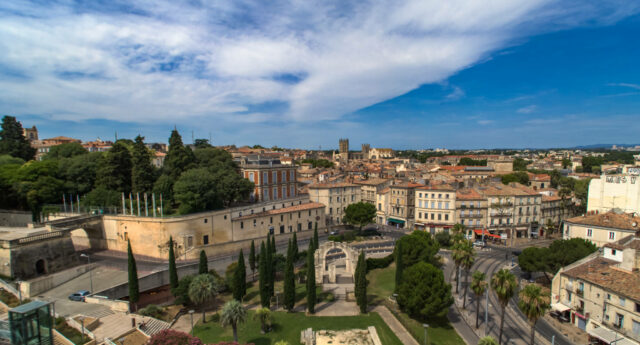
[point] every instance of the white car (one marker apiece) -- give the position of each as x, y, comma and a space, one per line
479, 244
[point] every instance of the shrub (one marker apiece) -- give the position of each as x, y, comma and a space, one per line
373, 263
330, 297
173, 337
152, 310
182, 291
444, 238
423, 293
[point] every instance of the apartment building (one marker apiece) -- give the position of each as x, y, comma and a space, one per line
512, 210
554, 209
435, 208
336, 197
371, 187
601, 228
382, 205
401, 205
601, 293
471, 209
621, 191
273, 180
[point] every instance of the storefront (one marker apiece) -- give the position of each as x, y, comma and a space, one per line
487, 235
399, 223
604, 336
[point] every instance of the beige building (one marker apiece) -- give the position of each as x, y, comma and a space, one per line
601, 228
513, 210
601, 293
382, 205
471, 209
435, 208
376, 153
371, 187
620, 191
401, 205
335, 197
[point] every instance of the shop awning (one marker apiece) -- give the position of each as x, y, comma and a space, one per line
486, 233
559, 307
399, 221
610, 337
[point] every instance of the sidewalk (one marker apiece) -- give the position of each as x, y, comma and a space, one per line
396, 327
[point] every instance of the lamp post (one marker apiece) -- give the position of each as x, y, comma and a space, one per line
90, 270
191, 313
425, 332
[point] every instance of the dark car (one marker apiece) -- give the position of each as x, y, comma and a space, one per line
79, 296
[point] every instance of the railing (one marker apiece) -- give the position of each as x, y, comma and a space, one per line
501, 204
471, 215
40, 237
580, 292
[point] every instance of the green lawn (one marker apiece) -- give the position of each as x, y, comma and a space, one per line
287, 326
381, 285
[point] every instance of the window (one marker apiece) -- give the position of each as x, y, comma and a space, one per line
270, 220
446, 205
284, 192
589, 232
205, 239
274, 177
284, 176
446, 217
635, 327
265, 178
379, 207
619, 320
293, 176
254, 223
292, 193
612, 235
608, 297
432, 217
420, 203
420, 215
251, 177
446, 196
439, 196
439, 205
241, 225
419, 195
275, 193
433, 204
206, 220
282, 218
622, 301
439, 216
265, 194
310, 225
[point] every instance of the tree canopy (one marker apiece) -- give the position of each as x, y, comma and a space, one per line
417, 247
559, 254
360, 214
66, 150
12, 140
423, 293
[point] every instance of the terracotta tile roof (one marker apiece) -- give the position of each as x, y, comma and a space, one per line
372, 181
548, 198
437, 187
604, 273
294, 208
468, 194
631, 241
332, 185
384, 191
623, 221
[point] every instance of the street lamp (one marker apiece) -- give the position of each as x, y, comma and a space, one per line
425, 332
191, 313
90, 270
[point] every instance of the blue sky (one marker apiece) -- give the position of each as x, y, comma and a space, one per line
401, 74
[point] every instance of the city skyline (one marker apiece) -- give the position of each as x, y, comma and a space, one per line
533, 74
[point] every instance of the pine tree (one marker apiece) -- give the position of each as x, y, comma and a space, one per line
179, 158
114, 171
252, 260
12, 140
289, 280
265, 297
316, 243
240, 279
134, 291
311, 281
361, 286
294, 247
173, 272
399, 265
203, 266
142, 170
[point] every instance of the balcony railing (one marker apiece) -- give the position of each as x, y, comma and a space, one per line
501, 204
475, 215
580, 292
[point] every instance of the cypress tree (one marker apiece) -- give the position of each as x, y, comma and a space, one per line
294, 247
311, 281
399, 265
173, 273
265, 297
273, 264
316, 243
142, 170
289, 281
12, 140
134, 291
252, 260
240, 279
361, 286
203, 266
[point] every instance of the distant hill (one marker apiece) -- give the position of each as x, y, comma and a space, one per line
603, 146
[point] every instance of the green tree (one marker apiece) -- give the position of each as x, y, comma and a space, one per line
202, 290
289, 280
565, 252
173, 272
423, 293
265, 296
114, 170
479, 287
233, 313
195, 191
12, 140
294, 245
252, 259
458, 254
488, 340
399, 265
534, 259
361, 283
316, 241
66, 150
360, 214
504, 284
518, 176
203, 265
272, 267
179, 158
472, 162
163, 187
240, 279
533, 304
466, 264
201, 143
134, 290
419, 246
520, 164
181, 292
142, 174
311, 281
566, 163
264, 315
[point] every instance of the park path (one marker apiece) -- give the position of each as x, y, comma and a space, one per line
396, 327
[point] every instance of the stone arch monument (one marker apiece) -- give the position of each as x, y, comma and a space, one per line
351, 259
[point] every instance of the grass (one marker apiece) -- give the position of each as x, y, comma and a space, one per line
381, 285
287, 327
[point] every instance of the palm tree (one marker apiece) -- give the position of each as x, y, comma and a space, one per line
488, 340
232, 314
468, 259
533, 304
504, 284
202, 290
479, 287
264, 315
457, 254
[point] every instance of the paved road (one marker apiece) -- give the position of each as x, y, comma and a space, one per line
516, 328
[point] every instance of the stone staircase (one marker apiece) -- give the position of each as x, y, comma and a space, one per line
152, 326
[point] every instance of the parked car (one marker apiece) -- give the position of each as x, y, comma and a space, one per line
479, 244
79, 296
334, 232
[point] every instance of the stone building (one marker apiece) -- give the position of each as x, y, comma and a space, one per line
371, 187
513, 210
335, 197
435, 208
601, 228
401, 205
620, 191
273, 180
471, 209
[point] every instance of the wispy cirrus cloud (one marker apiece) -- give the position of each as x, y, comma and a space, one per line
183, 60
528, 109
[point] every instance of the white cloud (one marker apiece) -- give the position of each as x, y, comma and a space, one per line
485, 122
629, 85
528, 109
169, 61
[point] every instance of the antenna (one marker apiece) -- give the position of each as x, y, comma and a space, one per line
192, 140
116, 135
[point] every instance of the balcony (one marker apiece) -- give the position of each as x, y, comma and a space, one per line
470, 215
580, 292
502, 204
579, 309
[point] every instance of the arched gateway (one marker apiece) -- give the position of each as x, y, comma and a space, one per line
351, 257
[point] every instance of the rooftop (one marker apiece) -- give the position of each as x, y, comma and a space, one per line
332, 185
603, 272
295, 208
622, 221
